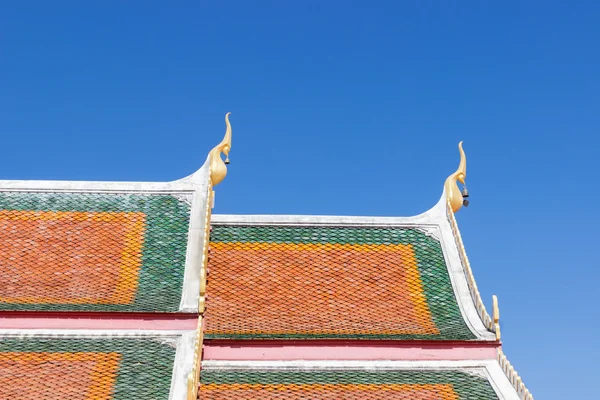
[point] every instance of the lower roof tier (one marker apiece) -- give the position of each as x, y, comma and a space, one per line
411, 381
308, 282
108, 367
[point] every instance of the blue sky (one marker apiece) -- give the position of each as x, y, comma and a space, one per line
344, 108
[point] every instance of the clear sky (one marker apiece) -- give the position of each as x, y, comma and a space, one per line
344, 108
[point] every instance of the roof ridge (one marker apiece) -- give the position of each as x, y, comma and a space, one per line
194, 375
490, 323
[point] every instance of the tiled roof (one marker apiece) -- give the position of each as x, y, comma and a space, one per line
343, 384
329, 282
76, 369
92, 251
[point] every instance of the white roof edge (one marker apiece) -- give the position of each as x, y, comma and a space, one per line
182, 366
194, 249
188, 183
490, 369
433, 222
428, 217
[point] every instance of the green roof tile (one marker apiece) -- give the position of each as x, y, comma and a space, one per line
353, 384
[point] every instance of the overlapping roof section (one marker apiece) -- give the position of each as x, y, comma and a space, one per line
75, 367
401, 278
371, 280
86, 248
106, 246
112, 277
329, 284
139, 250
350, 380
93, 251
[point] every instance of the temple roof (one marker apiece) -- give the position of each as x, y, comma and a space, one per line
96, 246
73, 367
107, 246
112, 277
93, 251
144, 249
389, 380
309, 277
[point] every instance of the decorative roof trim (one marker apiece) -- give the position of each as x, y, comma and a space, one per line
489, 369
205, 248
496, 316
491, 324
214, 164
513, 377
218, 167
194, 376
194, 278
455, 198
434, 221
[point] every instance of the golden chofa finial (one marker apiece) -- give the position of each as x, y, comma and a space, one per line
453, 193
218, 167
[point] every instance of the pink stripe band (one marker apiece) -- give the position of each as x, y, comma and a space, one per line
347, 350
124, 321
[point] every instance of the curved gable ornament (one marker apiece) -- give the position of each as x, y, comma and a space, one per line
218, 167
453, 193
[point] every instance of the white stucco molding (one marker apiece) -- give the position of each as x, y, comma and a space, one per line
198, 222
184, 360
192, 189
489, 369
433, 222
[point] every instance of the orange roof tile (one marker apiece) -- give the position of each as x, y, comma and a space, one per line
288, 282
